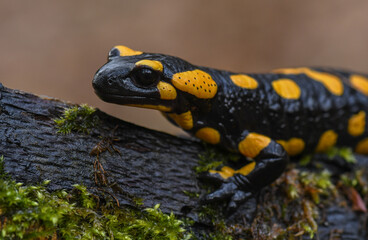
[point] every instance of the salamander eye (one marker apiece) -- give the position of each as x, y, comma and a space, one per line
114, 52
145, 77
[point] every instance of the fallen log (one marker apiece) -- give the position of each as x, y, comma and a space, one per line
134, 164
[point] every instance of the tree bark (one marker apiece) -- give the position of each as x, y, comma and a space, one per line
137, 163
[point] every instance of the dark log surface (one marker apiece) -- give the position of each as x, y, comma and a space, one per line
151, 165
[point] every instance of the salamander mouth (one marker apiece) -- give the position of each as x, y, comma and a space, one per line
129, 100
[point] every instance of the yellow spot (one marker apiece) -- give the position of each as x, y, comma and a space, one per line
125, 51
362, 147
290, 70
253, 144
156, 107
244, 81
167, 91
247, 168
196, 82
360, 83
326, 141
356, 124
227, 172
293, 147
331, 82
286, 88
155, 65
184, 120
209, 135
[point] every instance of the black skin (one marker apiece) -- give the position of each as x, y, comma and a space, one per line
235, 112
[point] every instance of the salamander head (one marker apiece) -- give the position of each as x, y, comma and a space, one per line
157, 81
139, 79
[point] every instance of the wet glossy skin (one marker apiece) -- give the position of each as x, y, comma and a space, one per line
265, 117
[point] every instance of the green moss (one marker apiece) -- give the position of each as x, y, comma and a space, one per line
3, 173
305, 191
295, 200
220, 230
137, 201
218, 235
305, 160
159, 226
357, 179
209, 211
191, 194
30, 212
212, 158
79, 118
316, 184
344, 152
207, 161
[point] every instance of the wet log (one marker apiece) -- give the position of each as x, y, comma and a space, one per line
128, 162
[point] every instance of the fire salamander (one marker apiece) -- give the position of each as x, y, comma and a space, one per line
266, 117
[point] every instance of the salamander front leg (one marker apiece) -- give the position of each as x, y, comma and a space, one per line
270, 160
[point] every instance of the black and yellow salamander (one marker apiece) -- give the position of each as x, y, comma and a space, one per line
266, 117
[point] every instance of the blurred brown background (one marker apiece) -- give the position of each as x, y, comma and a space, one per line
55, 48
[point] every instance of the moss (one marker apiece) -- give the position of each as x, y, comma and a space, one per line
79, 118
191, 194
221, 230
310, 187
302, 191
137, 201
316, 184
212, 158
159, 226
295, 200
355, 187
345, 152
306, 192
219, 236
305, 160
3, 173
207, 161
30, 212
357, 179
